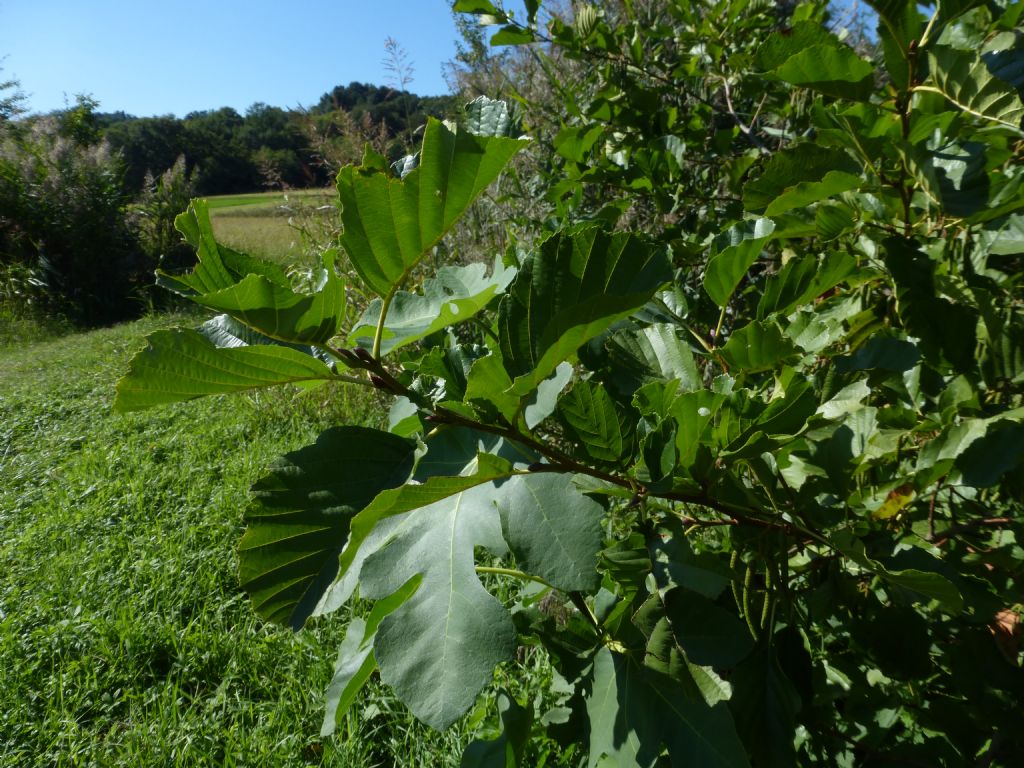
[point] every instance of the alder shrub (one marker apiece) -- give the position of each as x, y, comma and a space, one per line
748, 479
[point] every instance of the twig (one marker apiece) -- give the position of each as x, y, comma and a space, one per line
744, 128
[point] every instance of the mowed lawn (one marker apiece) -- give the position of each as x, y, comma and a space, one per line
124, 638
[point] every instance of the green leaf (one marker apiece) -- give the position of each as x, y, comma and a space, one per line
180, 364
390, 224
676, 564
255, 292
218, 266
803, 279
506, 751
636, 712
489, 117
512, 35
883, 353
553, 530
945, 328
804, 193
454, 295
805, 164
593, 419
575, 142
660, 451
225, 332
758, 346
830, 221
710, 635
832, 68
965, 80
543, 400
485, 469
900, 20
355, 661
280, 313
476, 6
783, 44
733, 252
299, 518
1004, 239
927, 584
766, 702
440, 647
663, 654
988, 458
578, 283
487, 386
638, 356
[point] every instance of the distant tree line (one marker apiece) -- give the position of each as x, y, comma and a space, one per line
269, 147
88, 199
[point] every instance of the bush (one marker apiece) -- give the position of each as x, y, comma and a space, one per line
64, 222
734, 437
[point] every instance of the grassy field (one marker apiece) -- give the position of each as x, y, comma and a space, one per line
124, 640
273, 225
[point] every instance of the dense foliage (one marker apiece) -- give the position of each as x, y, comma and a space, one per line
734, 429
66, 241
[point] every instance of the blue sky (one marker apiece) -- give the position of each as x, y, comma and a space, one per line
150, 57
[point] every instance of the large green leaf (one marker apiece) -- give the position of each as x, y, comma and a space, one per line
489, 117
455, 294
636, 712
578, 283
487, 388
927, 584
803, 279
676, 564
181, 364
899, 20
733, 252
830, 68
299, 519
944, 327
355, 661
638, 356
485, 469
255, 292
766, 702
391, 223
218, 266
279, 312
804, 193
757, 346
440, 647
803, 172
594, 419
664, 655
1005, 238
553, 530
710, 635
965, 79
783, 44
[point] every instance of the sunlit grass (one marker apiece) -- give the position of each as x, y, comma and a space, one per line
124, 638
